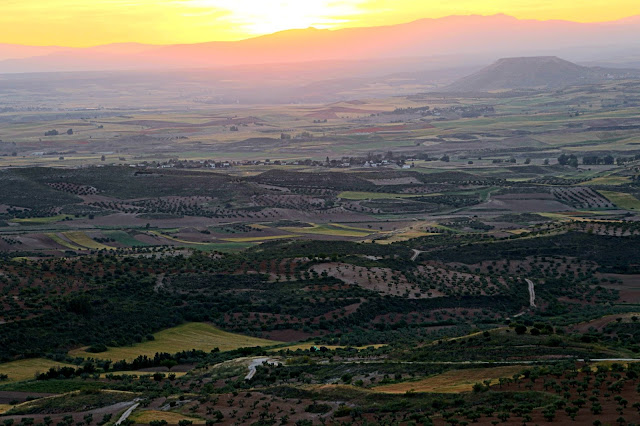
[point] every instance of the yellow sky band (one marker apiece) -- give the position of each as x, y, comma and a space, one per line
89, 23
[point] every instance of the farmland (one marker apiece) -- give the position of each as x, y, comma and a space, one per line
27, 368
184, 337
421, 259
623, 200
453, 381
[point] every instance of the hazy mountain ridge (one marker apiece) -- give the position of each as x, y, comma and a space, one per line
497, 35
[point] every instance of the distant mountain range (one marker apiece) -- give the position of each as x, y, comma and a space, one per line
536, 72
484, 37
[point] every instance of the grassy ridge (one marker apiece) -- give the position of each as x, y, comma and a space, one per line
25, 369
184, 337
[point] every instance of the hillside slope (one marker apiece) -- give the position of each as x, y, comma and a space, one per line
535, 72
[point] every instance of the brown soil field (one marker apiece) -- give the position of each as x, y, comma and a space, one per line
600, 323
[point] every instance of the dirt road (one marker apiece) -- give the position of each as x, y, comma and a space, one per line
532, 293
416, 253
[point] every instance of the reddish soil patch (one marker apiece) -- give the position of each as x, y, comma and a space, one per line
600, 323
611, 409
288, 335
382, 280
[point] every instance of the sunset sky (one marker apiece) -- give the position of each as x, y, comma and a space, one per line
95, 22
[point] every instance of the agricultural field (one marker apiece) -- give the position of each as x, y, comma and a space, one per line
623, 200
432, 258
26, 369
185, 337
453, 381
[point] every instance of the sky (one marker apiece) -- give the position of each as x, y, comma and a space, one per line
82, 23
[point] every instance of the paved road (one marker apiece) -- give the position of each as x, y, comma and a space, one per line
532, 293
257, 362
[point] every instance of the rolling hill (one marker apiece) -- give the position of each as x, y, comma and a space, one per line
536, 72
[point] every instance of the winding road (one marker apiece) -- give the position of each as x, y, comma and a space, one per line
416, 253
127, 413
257, 362
532, 293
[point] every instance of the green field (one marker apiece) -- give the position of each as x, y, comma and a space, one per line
622, 200
184, 337
64, 243
42, 220
608, 180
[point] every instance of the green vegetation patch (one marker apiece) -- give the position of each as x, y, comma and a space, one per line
42, 220
622, 199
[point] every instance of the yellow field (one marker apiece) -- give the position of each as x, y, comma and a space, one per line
417, 230
622, 200
608, 180
184, 337
64, 243
82, 239
330, 229
4, 407
452, 381
41, 220
353, 228
25, 369
405, 236
147, 416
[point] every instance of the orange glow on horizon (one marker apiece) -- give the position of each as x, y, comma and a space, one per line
88, 23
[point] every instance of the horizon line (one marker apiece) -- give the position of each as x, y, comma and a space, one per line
253, 37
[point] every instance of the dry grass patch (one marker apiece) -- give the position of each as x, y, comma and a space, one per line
184, 337
82, 239
147, 416
26, 369
452, 381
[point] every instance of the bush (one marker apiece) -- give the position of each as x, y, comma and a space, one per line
521, 329
318, 408
98, 348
